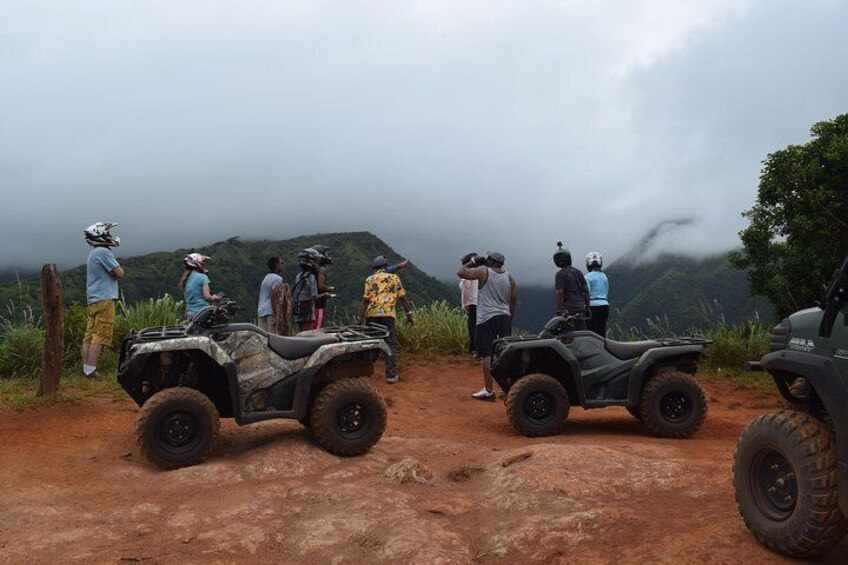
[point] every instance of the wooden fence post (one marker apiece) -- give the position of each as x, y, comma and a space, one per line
53, 313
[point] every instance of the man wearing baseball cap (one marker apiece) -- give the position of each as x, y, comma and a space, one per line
495, 305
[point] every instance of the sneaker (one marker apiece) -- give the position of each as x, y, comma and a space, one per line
392, 380
484, 394
93, 375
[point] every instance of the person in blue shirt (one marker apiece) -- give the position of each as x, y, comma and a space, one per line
195, 284
598, 293
101, 290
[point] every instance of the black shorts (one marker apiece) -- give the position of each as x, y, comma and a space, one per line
490, 330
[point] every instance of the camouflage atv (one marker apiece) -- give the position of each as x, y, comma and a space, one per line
185, 377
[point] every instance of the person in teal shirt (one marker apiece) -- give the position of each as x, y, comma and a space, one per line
195, 285
598, 294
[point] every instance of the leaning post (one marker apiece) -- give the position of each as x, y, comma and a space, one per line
53, 313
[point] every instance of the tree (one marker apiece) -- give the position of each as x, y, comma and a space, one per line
798, 232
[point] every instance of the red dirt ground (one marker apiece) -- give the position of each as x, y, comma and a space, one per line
76, 490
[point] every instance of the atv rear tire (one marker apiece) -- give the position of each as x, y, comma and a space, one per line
785, 478
348, 416
537, 405
634, 411
177, 427
673, 405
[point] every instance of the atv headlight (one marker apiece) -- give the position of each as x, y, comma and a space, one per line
780, 336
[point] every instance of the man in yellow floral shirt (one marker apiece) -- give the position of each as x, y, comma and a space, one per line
382, 292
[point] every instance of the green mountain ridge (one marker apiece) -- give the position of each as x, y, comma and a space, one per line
237, 268
682, 292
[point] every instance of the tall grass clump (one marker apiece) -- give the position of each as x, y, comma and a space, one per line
163, 311
439, 329
21, 342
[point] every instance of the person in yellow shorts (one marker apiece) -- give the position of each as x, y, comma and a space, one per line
102, 274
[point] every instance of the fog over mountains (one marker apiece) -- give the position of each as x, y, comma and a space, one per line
442, 126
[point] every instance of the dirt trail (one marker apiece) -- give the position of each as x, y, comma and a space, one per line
76, 490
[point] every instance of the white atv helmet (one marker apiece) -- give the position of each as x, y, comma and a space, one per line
196, 261
594, 258
97, 235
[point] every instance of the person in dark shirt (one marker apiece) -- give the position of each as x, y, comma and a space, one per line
571, 289
323, 287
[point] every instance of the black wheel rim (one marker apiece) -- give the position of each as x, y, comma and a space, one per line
179, 431
773, 483
675, 407
352, 420
540, 407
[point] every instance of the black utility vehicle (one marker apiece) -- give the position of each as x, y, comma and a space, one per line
790, 472
185, 377
544, 375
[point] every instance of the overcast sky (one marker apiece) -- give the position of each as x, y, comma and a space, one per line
441, 126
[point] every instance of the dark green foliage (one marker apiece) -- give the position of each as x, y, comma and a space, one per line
237, 268
798, 233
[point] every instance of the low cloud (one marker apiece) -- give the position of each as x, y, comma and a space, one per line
442, 127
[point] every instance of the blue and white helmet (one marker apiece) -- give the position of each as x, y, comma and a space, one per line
593, 258
97, 235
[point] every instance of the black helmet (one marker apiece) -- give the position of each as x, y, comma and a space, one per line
309, 259
495, 258
379, 262
562, 257
468, 257
323, 251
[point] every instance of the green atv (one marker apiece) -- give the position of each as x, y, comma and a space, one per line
790, 472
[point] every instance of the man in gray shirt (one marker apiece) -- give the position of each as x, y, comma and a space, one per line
265, 312
495, 306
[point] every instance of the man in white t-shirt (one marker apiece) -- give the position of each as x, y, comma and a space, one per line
468, 290
265, 312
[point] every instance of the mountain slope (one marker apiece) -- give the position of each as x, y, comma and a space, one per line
237, 268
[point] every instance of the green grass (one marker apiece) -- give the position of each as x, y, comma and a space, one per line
22, 393
439, 329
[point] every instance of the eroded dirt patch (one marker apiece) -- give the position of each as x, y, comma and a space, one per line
449, 483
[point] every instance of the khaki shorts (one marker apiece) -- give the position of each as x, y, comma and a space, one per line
100, 323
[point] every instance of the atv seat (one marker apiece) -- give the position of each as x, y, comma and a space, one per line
630, 349
298, 347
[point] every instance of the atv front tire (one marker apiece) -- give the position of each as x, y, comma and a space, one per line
785, 478
177, 427
537, 405
634, 411
673, 405
348, 417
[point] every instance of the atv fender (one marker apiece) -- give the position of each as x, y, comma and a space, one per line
831, 388
201, 343
641, 370
328, 352
319, 360
520, 358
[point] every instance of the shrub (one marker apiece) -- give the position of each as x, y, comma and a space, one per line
164, 311
21, 342
439, 329
75, 320
22, 350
